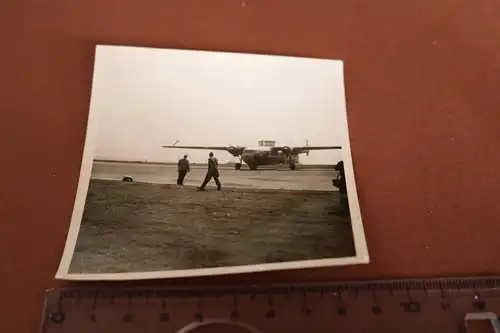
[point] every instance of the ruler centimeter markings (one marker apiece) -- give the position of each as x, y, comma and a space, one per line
414, 305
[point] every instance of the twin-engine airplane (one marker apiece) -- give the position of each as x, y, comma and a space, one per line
265, 154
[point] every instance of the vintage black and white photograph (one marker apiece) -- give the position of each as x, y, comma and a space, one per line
205, 163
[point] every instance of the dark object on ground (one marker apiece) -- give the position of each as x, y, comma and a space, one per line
127, 179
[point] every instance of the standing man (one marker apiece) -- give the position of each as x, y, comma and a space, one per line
182, 168
212, 172
340, 183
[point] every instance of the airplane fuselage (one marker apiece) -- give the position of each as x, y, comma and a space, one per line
255, 157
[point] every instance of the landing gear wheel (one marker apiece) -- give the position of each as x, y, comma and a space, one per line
292, 166
252, 167
237, 166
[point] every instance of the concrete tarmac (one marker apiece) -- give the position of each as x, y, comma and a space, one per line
320, 180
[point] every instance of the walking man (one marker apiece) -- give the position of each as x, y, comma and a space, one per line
182, 168
212, 172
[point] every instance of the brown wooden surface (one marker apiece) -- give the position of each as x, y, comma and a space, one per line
422, 80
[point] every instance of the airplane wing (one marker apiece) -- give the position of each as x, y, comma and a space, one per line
307, 149
199, 147
304, 149
235, 151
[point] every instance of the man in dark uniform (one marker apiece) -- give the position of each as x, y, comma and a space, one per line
212, 172
340, 183
182, 168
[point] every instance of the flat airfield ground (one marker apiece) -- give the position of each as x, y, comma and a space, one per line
269, 178
141, 226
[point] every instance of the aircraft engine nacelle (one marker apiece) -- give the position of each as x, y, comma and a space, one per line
286, 150
233, 150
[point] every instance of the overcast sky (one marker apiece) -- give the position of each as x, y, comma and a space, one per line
145, 98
